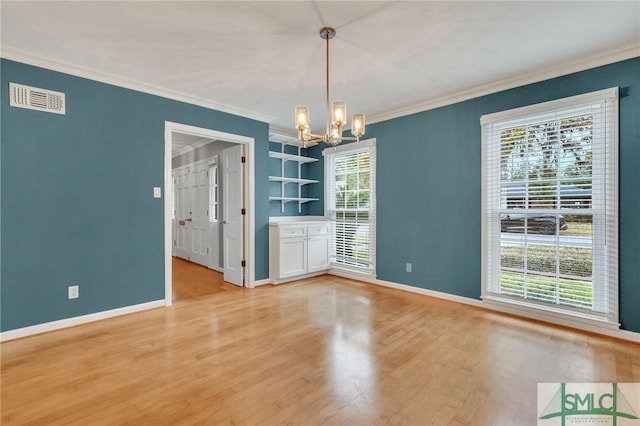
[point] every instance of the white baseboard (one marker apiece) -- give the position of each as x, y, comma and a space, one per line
83, 319
579, 325
297, 277
257, 283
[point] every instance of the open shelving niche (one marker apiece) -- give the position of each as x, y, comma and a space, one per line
284, 157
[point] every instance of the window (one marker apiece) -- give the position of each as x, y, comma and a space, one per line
351, 205
213, 193
550, 208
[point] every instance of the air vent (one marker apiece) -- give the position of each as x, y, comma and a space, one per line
22, 96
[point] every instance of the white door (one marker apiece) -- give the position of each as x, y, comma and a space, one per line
232, 218
182, 212
199, 223
192, 234
214, 236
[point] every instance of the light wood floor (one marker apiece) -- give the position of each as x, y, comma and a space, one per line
191, 281
320, 351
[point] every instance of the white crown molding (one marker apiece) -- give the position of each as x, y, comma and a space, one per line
103, 77
593, 61
284, 136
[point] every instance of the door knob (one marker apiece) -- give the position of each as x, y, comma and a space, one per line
188, 219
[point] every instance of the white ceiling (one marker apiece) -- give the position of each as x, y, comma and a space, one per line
264, 57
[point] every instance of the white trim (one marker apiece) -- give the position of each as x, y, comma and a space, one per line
406, 287
74, 321
294, 219
579, 323
545, 107
610, 57
353, 272
545, 313
604, 314
103, 77
297, 277
192, 147
365, 145
261, 282
249, 197
348, 147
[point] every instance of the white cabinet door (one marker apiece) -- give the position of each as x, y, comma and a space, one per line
298, 249
293, 256
318, 253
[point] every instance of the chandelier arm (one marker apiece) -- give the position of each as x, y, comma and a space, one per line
315, 139
313, 136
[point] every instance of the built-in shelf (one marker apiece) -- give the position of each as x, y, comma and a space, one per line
289, 199
292, 180
291, 157
284, 180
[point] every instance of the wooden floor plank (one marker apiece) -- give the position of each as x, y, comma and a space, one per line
321, 351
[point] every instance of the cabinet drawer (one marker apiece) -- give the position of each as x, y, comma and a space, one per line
319, 229
291, 231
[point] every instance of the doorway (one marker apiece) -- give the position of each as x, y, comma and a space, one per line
173, 131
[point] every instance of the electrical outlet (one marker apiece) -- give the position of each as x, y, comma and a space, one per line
74, 292
408, 267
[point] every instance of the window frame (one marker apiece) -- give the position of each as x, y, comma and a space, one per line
604, 210
330, 211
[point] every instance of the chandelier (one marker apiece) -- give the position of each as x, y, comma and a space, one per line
336, 114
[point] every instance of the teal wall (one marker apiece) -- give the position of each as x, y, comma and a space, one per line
429, 186
77, 204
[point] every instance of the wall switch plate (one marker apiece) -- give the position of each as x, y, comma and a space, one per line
157, 192
74, 292
408, 267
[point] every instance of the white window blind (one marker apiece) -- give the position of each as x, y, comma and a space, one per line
351, 205
550, 207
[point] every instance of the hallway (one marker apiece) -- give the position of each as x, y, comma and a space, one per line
192, 281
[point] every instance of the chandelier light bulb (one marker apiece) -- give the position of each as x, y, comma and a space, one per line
339, 112
357, 125
302, 117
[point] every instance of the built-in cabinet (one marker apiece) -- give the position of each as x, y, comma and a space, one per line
298, 181
298, 249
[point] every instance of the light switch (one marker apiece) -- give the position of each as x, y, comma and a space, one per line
157, 193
